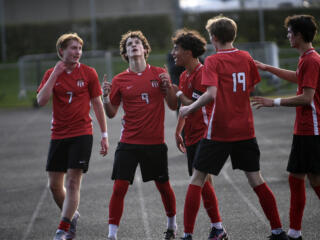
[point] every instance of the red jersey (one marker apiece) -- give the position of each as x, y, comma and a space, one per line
143, 105
196, 123
71, 101
234, 73
308, 73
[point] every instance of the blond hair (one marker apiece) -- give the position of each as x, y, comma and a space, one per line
63, 41
223, 28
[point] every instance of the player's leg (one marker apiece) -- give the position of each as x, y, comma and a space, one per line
124, 167
314, 180
56, 186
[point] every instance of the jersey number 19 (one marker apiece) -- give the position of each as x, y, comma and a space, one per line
239, 78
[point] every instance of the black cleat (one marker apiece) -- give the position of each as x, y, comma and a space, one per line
169, 234
218, 234
281, 236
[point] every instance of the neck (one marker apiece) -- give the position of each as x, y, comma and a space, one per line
137, 65
70, 66
227, 45
192, 65
304, 47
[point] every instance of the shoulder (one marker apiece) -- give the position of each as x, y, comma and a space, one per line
87, 68
156, 70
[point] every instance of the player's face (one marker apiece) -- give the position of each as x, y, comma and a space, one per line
72, 53
134, 48
292, 38
179, 55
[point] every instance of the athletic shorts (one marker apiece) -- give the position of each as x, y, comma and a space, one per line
153, 161
191, 152
305, 155
73, 153
212, 155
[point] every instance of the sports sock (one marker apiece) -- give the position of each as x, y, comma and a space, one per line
172, 223
168, 197
317, 190
64, 224
293, 233
297, 202
113, 229
268, 204
217, 225
120, 188
191, 207
210, 202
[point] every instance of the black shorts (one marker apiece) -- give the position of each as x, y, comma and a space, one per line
212, 155
68, 153
191, 152
153, 160
305, 155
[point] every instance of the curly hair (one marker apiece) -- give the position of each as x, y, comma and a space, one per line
304, 24
190, 40
223, 28
63, 40
133, 34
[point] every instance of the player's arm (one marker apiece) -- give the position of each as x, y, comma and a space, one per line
203, 100
170, 93
179, 139
45, 93
101, 118
279, 72
111, 110
301, 100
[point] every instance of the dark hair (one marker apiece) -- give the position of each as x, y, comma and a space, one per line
306, 25
190, 40
223, 28
133, 34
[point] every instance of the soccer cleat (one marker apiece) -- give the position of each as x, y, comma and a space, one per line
60, 235
218, 234
281, 236
169, 234
291, 238
189, 237
71, 234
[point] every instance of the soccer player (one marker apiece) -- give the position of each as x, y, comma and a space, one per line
304, 158
74, 87
188, 46
230, 76
142, 90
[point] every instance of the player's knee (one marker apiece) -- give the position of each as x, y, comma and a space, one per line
314, 180
120, 188
55, 188
72, 184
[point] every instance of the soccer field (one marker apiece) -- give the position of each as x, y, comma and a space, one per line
27, 210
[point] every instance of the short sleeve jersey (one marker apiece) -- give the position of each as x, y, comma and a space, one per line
197, 122
143, 105
234, 73
72, 93
308, 73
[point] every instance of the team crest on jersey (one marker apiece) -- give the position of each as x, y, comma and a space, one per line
80, 83
154, 83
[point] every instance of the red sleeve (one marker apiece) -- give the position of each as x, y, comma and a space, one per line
44, 79
181, 80
254, 74
209, 73
115, 94
309, 74
94, 84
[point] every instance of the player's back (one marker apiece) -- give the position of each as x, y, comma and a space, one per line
234, 74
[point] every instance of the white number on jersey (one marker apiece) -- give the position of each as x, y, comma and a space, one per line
145, 97
70, 98
239, 78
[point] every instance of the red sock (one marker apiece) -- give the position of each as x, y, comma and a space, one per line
317, 190
269, 205
191, 207
210, 202
120, 188
64, 225
298, 201
168, 197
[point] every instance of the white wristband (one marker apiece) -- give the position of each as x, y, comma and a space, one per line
106, 99
277, 102
104, 135
179, 93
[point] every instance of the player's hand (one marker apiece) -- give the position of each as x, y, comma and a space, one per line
184, 111
259, 102
165, 80
106, 86
180, 143
59, 68
260, 65
175, 87
104, 146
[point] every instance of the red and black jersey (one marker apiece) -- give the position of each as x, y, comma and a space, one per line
143, 105
308, 73
234, 73
197, 122
72, 93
